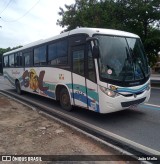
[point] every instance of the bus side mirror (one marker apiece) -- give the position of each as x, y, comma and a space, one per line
89, 39
96, 52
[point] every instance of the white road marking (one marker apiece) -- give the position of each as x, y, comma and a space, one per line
158, 106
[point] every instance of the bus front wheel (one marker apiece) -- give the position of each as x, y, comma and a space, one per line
65, 100
18, 88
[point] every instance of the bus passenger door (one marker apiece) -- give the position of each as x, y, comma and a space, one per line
78, 76
91, 80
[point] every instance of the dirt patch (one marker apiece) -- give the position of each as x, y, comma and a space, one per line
25, 132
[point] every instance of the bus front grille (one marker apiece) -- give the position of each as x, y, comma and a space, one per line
129, 103
129, 95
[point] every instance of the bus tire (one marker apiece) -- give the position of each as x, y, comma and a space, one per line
65, 100
18, 88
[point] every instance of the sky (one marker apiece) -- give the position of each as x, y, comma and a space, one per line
26, 21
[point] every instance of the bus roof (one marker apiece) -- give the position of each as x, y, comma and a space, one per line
89, 31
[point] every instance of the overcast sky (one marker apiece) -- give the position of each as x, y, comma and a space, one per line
26, 21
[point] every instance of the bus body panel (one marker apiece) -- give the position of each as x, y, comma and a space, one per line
79, 91
9, 77
80, 95
39, 80
93, 96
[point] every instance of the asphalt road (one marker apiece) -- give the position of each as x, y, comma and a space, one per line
141, 125
155, 96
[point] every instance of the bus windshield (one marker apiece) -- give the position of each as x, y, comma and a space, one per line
122, 58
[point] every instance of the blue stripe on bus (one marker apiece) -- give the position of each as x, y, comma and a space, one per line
83, 99
50, 94
132, 90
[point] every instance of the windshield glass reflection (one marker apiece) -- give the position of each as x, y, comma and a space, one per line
121, 58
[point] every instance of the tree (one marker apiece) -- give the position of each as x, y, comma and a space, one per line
75, 16
152, 45
141, 17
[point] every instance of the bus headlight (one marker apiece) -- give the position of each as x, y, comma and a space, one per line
108, 92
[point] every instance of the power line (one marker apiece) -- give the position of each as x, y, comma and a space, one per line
22, 15
5, 7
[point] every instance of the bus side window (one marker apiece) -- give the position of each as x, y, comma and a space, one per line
20, 59
16, 59
90, 65
78, 62
5, 61
62, 52
11, 60
52, 54
27, 59
58, 53
40, 56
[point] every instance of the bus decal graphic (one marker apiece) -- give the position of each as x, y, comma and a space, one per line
25, 83
32, 80
93, 95
61, 76
132, 90
92, 98
15, 72
114, 88
91, 102
9, 78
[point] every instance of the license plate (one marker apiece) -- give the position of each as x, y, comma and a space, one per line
133, 106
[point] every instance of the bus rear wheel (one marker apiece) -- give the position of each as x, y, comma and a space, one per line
65, 100
18, 88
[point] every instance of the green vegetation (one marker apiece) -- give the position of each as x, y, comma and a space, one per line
141, 17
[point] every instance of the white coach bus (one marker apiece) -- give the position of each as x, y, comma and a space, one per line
98, 69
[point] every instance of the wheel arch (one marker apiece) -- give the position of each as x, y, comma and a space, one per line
18, 86
58, 89
17, 80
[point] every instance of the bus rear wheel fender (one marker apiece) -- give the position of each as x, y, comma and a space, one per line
18, 87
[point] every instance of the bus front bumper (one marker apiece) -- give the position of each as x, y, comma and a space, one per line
110, 104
